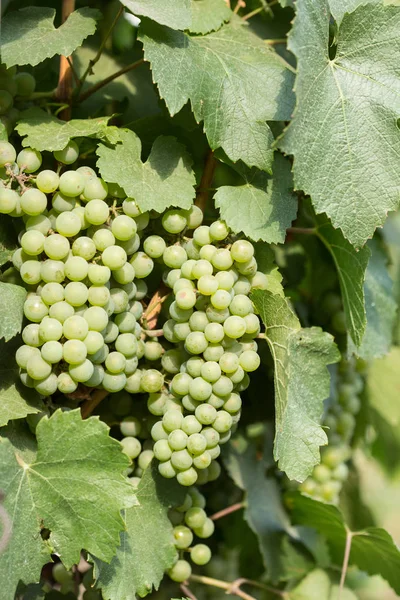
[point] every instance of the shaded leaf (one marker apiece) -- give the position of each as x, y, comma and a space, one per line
147, 547
383, 384
165, 179
28, 35
209, 15
351, 266
266, 264
234, 82
13, 297
264, 207
302, 380
344, 136
8, 240
174, 13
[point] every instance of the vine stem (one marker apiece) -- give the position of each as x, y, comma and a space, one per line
95, 88
227, 511
96, 59
253, 13
302, 230
90, 404
276, 41
234, 586
64, 88
187, 591
206, 181
346, 557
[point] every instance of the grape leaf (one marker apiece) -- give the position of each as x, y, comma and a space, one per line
317, 585
344, 136
173, 13
165, 179
16, 400
380, 306
300, 357
266, 264
340, 7
264, 207
234, 81
372, 549
13, 297
74, 487
45, 132
351, 266
264, 511
209, 15
147, 549
384, 386
28, 35
8, 242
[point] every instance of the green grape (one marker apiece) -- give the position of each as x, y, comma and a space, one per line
213, 352
158, 432
171, 277
201, 268
195, 517
76, 293
52, 352
174, 256
152, 381
193, 367
206, 530
198, 321
99, 274
217, 315
241, 305
125, 274
97, 378
24, 353
84, 247
35, 309
196, 342
177, 440
87, 172
248, 268
99, 295
196, 444
168, 331
68, 224
30, 272
237, 376
39, 223
75, 328
114, 383
183, 537
218, 230
211, 372
214, 332
29, 160
162, 450
94, 342
189, 403
127, 344
81, 372
130, 426
188, 477
37, 368
180, 315
130, 207
186, 275
341, 472
174, 221
65, 383
167, 470
181, 571
172, 420
32, 242
321, 473
206, 414
110, 333
7, 152
242, 251
115, 362
221, 299
62, 203
59, 310
214, 471
50, 330
190, 425
68, 155
181, 459
192, 250
222, 259
136, 309
182, 330
52, 271
142, 221
96, 211
142, 264
229, 362
145, 459
259, 281
123, 227
6, 101
133, 383
249, 360
95, 189
199, 389
222, 422
56, 246
212, 437
72, 183
180, 384
141, 290
203, 461
26, 83
252, 324
102, 238
185, 299
194, 217
216, 401
100, 356
47, 386
171, 361
200, 554
235, 327
131, 447
9, 200
47, 181
153, 350
242, 287
114, 257
202, 235
126, 322
95, 316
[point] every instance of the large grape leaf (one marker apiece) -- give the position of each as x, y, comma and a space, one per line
173, 13
340, 7
165, 179
147, 548
351, 267
209, 15
12, 297
28, 35
264, 511
344, 135
302, 380
74, 487
383, 384
16, 400
234, 82
264, 207
372, 549
380, 306
45, 132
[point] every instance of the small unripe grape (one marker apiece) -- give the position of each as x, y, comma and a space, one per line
7, 153
68, 155
29, 160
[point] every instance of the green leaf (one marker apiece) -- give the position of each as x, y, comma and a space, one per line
264, 511
28, 35
344, 136
173, 13
16, 400
302, 379
234, 82
165, 179
266, 264
46, 132
8, 240
13, 297
380, 305
209, 15
340, 7
74, 487
318, 586
383, 384
372, 549
147, 548
351, 266
264, 207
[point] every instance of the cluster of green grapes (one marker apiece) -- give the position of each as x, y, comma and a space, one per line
79, 260
13, 86
328, 477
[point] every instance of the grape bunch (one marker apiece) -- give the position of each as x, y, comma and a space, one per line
15, 87
78, 262
328, 477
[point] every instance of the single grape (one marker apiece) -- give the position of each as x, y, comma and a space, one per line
180, 384
221, 299
196, 342
47, 181
190, 425
49, 330
180, 572
172, 420
195, 517
142, 264
242, 251
95, 189
249, 360
39, 222
56, 246
81, 372
213, 352
167, 470
207, 285
72, 183
9, 199
52, 270
193, 367
75, 328
59, 310
154, 246
211, 372
114, 257
202, 235
199, 389
52, 352
242, 286
235, 327
206, 530
152, 381
37, 368
35, 309
76, 293
131, 446
214, 332
127, 344
177, 440
174, 221
96, 317
65, 383
97, 212
200, 554
174, 256
206, 414
99, 274
181, 459
29, 160
259, 281
68, 224
74, 352
68, 155
30, 272
7, 153
24, 353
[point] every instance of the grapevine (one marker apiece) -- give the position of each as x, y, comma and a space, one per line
199, 291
